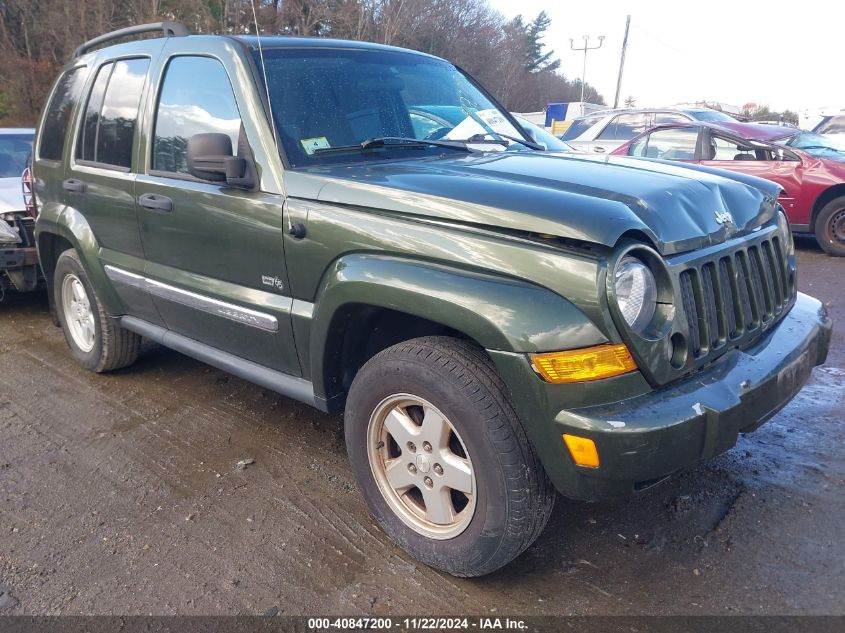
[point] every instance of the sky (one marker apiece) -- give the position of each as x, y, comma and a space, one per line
784, 55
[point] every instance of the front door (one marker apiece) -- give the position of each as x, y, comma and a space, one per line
215, 262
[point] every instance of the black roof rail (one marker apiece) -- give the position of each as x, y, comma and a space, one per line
168, 29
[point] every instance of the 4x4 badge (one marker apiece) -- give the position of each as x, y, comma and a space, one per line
272, 280
724, 217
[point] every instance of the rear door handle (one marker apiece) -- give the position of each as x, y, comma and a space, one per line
72, 184
156, 203
599, 150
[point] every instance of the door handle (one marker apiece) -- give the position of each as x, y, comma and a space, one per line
156, 203
74, 185
598, 150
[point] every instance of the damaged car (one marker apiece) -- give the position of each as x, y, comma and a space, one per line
18, 257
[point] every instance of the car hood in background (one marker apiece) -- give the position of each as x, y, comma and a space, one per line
580, 197
11, 195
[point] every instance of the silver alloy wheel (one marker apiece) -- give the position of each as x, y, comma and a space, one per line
78, 314
421, 466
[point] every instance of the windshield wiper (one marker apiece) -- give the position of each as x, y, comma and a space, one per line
395, 141
480, 137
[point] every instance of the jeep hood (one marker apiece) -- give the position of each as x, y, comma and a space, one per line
585, 198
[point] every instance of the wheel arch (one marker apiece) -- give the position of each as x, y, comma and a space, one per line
831, 193
70, 229
367, 303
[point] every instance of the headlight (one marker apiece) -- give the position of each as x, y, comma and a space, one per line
636, 292
785, 234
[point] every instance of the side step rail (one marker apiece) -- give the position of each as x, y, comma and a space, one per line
290, 386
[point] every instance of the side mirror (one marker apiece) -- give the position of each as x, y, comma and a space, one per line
210, 157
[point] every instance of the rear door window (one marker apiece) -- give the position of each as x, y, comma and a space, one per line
723, 148
54, 129
669, 117
108, 128
579, 126
626, 126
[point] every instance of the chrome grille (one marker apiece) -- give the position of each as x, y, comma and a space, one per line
732, 297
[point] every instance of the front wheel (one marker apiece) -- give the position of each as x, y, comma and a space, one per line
94, 339
830, 227
442, 459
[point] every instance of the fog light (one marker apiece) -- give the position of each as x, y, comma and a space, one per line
582, 449
579, 365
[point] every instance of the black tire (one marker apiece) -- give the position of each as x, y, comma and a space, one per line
830, 227
113, 346
514, 497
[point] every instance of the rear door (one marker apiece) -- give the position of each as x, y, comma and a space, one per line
100, 179
214, 253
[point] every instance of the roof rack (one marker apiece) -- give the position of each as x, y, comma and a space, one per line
168, 29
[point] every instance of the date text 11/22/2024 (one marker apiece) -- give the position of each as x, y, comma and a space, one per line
417, 624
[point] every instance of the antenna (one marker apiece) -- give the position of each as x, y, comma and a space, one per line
264, 73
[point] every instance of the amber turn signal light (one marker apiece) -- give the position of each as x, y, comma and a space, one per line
583, 450
580, 365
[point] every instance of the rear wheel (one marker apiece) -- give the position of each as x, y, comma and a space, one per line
95, 340
442, 459
830, 227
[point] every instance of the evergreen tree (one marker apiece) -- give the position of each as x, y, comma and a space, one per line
538, 60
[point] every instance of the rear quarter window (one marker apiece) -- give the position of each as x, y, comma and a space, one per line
64, 100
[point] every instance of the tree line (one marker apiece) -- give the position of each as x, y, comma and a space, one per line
508, 57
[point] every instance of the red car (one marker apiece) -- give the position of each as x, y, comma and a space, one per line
810, 168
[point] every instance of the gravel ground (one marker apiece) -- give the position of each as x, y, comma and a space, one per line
120, 495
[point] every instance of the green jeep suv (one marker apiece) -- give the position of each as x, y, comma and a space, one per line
365, 229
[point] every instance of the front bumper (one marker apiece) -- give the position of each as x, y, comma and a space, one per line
643, 439
12, 256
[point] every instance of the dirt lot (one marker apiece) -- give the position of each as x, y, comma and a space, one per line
119, 494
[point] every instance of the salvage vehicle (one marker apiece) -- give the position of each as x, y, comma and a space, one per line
809, 168
494, 320
18, 257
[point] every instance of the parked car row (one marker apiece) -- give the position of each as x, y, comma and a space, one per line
365, 229
809, 169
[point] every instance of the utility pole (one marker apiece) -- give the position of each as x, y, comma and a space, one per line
585, 48
622, 63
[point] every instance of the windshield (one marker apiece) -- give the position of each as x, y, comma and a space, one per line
331, 99
711, 115
817, 145
14, 150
